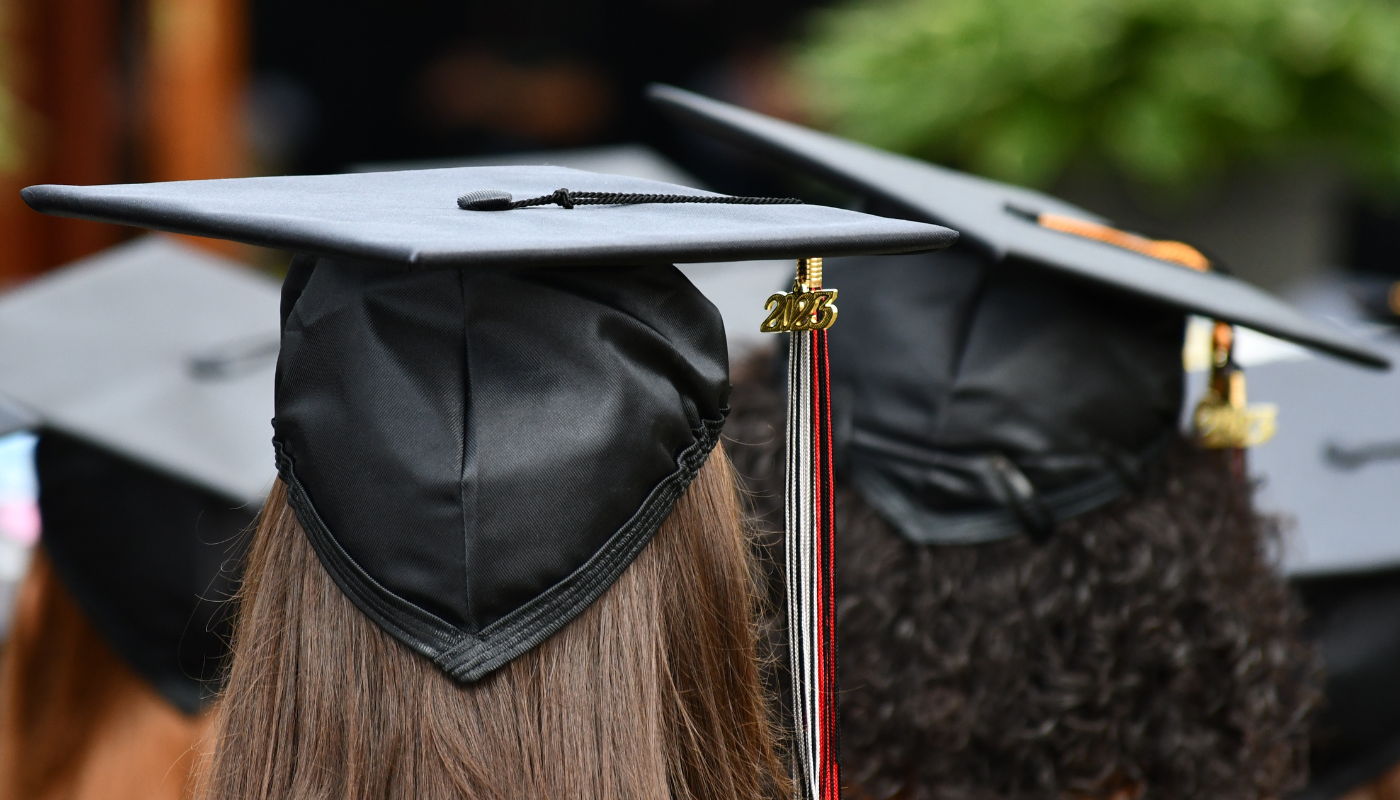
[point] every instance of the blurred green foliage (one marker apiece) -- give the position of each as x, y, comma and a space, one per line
13, 115
1165, 91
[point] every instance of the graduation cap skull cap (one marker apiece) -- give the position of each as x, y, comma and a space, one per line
148, 371
1022, 378
476, 454
150, 560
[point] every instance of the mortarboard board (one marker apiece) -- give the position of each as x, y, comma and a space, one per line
528, 412
412, 218
154, 350
148, 371
731, 286
1000, 218
1022, 378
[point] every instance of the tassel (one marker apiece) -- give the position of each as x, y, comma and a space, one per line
810, 532
1224, 419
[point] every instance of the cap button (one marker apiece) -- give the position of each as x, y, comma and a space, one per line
485, 200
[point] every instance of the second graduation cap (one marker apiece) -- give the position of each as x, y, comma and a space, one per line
1027, 376
477, 452
1014, 223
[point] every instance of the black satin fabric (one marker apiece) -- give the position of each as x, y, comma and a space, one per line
974, 399
477, 454
151, 562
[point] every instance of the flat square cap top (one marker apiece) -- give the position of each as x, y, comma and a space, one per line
995, 215
411, 217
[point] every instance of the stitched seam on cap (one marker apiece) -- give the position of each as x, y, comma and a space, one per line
519, 631
469, 657
463, 487
411, 625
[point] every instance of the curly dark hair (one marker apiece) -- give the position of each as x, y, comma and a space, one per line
1149, 648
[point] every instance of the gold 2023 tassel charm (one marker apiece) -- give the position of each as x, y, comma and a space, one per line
808, 307
805, 313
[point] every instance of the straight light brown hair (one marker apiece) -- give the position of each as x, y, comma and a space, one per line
76, 723
653, 693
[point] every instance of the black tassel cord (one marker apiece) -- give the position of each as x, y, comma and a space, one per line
496, 200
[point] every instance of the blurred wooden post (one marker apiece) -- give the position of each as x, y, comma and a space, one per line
196, 79
62, 68
80, 118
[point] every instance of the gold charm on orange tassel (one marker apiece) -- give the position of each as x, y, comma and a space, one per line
1223, 418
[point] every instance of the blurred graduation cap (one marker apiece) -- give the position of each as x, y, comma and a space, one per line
1027, 375
1334, 462
1010, 222
147, 370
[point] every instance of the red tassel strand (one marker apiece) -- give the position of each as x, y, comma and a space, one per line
811, 564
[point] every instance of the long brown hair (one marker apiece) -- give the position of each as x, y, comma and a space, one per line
76, 723
652, 693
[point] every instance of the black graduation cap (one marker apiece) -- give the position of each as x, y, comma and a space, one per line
147, 370
477, 454
1023, 377
1002, 218
412, 217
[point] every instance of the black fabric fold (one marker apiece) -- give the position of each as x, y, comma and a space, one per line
978, 399
150, 560
477, 455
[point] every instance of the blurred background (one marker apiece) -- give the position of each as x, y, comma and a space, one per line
1265, 131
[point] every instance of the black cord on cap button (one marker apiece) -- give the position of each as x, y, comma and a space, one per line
497, 200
